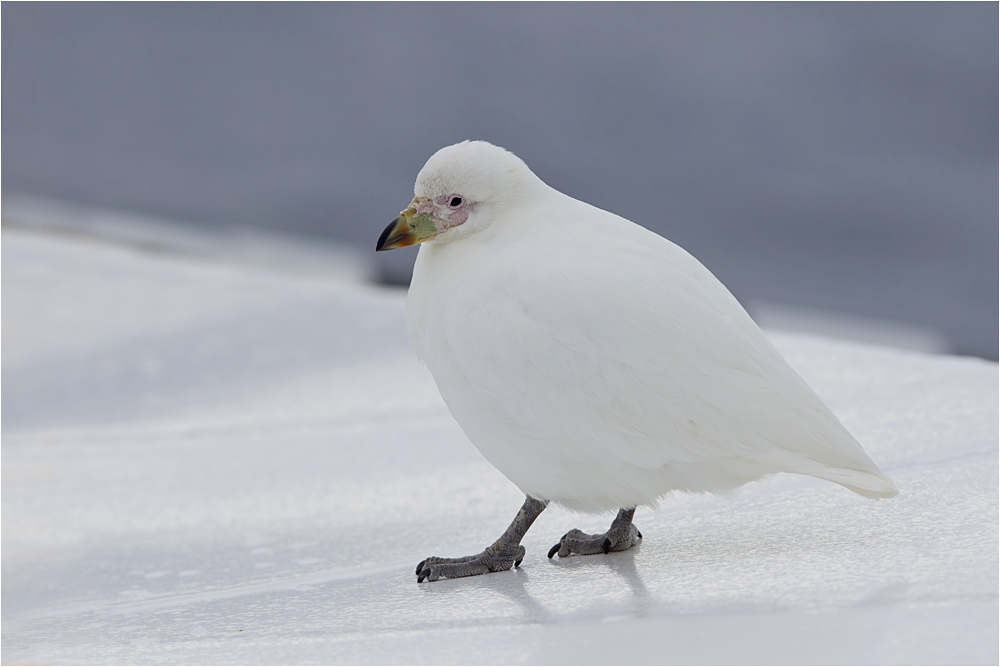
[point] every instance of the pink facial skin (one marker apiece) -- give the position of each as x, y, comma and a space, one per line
446, 216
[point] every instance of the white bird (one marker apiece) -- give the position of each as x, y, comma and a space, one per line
596, 364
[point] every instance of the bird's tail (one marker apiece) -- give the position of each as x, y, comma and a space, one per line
865, 483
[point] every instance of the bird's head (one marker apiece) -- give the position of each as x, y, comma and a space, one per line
457, 191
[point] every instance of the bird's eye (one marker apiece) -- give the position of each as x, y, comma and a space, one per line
455, 202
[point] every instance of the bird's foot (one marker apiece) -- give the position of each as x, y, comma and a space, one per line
490, 560
621, 536
503, 554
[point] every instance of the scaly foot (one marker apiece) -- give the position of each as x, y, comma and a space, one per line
621, 536
490, 560
503, 554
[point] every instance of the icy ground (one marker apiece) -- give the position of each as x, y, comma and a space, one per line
213, 463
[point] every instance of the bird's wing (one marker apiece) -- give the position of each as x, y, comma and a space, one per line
626, 347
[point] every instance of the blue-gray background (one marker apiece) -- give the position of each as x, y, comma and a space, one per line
833, 156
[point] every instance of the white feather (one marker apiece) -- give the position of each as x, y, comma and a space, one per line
597, 364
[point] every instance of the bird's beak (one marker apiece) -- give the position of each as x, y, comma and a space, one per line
410, 228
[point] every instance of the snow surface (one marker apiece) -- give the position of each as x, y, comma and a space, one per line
212, 463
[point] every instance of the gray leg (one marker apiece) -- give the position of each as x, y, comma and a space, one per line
621, 536
501, 555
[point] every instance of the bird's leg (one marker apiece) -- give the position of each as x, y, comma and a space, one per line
501, 555
621, 535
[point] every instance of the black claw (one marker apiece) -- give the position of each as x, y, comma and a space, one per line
423, 575
606, 545
638, 533
421, 566
518, 561
554, 550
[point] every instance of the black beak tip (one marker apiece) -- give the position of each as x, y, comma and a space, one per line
385, 236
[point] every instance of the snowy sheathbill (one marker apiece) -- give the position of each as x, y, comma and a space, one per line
596, 364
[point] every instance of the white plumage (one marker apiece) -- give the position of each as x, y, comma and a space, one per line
593, 362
